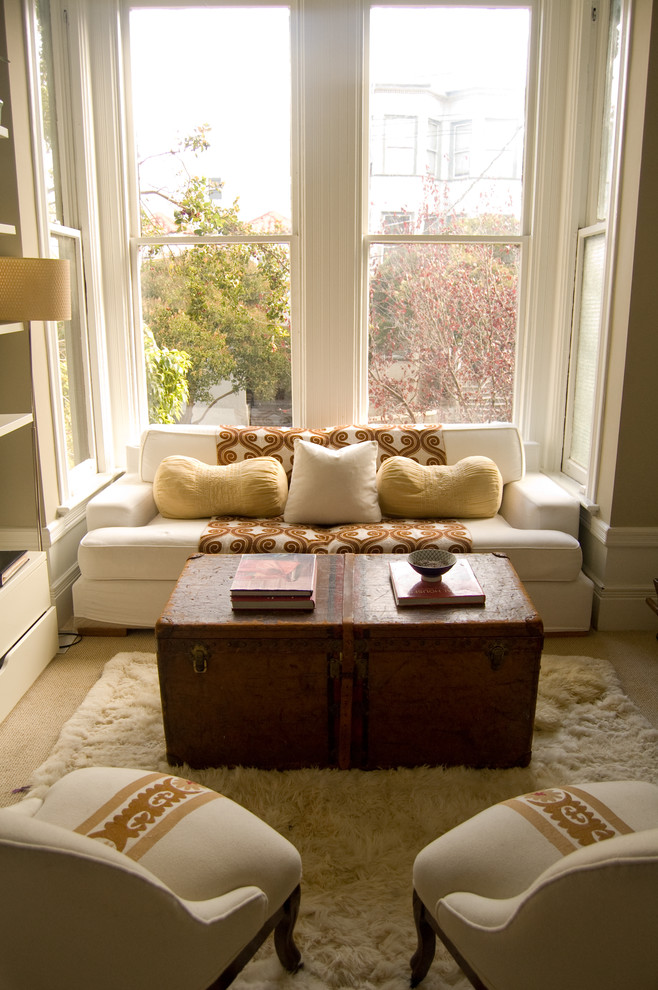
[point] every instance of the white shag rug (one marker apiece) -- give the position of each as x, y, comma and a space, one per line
358, 832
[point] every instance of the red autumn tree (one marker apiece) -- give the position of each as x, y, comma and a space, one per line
443, 327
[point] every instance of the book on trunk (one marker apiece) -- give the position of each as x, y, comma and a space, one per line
273, 601
275, 580
459, 586
10, 562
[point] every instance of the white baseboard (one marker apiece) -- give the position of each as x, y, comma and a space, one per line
622, 562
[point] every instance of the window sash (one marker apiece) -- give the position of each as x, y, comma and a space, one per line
71, 385
583, 395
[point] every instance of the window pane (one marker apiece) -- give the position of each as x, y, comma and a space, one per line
460, 76
50, 147
587, 349
213, 82
213, 149
610, 109
442, 332
217, 333
73, 364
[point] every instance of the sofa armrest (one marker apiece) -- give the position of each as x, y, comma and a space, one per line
538, 502
126, 502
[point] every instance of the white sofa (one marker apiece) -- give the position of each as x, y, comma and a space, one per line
131, 556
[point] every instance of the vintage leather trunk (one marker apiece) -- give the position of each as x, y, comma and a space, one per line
452, 686
249, 688
358, 682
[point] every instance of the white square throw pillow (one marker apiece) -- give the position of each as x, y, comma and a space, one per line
333, 486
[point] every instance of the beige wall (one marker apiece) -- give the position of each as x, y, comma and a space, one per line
635, 499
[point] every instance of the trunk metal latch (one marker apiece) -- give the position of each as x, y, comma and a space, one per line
496, 654
199, 659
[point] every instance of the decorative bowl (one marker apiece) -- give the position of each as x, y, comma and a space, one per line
431, 564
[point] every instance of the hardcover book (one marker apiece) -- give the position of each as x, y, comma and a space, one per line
275, 575
10, 562
459, 586
273, 601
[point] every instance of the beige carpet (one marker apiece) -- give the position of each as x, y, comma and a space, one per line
358, 832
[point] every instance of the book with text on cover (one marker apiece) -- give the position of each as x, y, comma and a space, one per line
459, 586
276, 575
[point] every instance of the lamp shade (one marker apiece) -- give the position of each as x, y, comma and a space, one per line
34, 289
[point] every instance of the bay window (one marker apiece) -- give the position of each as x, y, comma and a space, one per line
329, 212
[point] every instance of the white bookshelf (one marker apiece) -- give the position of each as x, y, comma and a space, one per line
28, 620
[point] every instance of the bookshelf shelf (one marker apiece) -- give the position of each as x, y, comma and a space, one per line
9, 422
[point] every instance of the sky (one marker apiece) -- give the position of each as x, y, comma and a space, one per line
230, 68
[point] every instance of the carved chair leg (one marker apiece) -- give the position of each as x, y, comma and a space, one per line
282, 923
284, 943
424, 954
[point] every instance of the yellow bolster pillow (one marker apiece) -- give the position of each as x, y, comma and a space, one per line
185, 488
471, 488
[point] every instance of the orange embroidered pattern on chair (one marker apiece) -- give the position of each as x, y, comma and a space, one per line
569, 819
141, 813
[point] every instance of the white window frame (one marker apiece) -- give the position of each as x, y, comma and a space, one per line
587, 476
522, 240
79, 478
573, 468
329, 249
78, 189
136, 241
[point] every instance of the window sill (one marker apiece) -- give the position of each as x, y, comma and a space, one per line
576, 490
70, 514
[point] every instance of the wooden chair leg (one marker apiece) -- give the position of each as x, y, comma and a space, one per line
427, 930
282, 923
284, 943
424, 954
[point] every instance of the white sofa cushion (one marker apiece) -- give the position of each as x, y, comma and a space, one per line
499, 441
136, 553
536, 554
333, 486
159, 442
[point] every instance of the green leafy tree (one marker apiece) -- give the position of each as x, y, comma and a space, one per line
226, 306
166, 371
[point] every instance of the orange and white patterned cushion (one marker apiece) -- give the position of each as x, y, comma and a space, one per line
228, 534
424, 444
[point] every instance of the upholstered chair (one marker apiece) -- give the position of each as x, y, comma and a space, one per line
123, 878
555, 888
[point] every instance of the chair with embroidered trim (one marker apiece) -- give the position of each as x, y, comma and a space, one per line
123, 878
554, 888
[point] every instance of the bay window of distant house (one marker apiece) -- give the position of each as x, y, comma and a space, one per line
213, 166
443, 294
